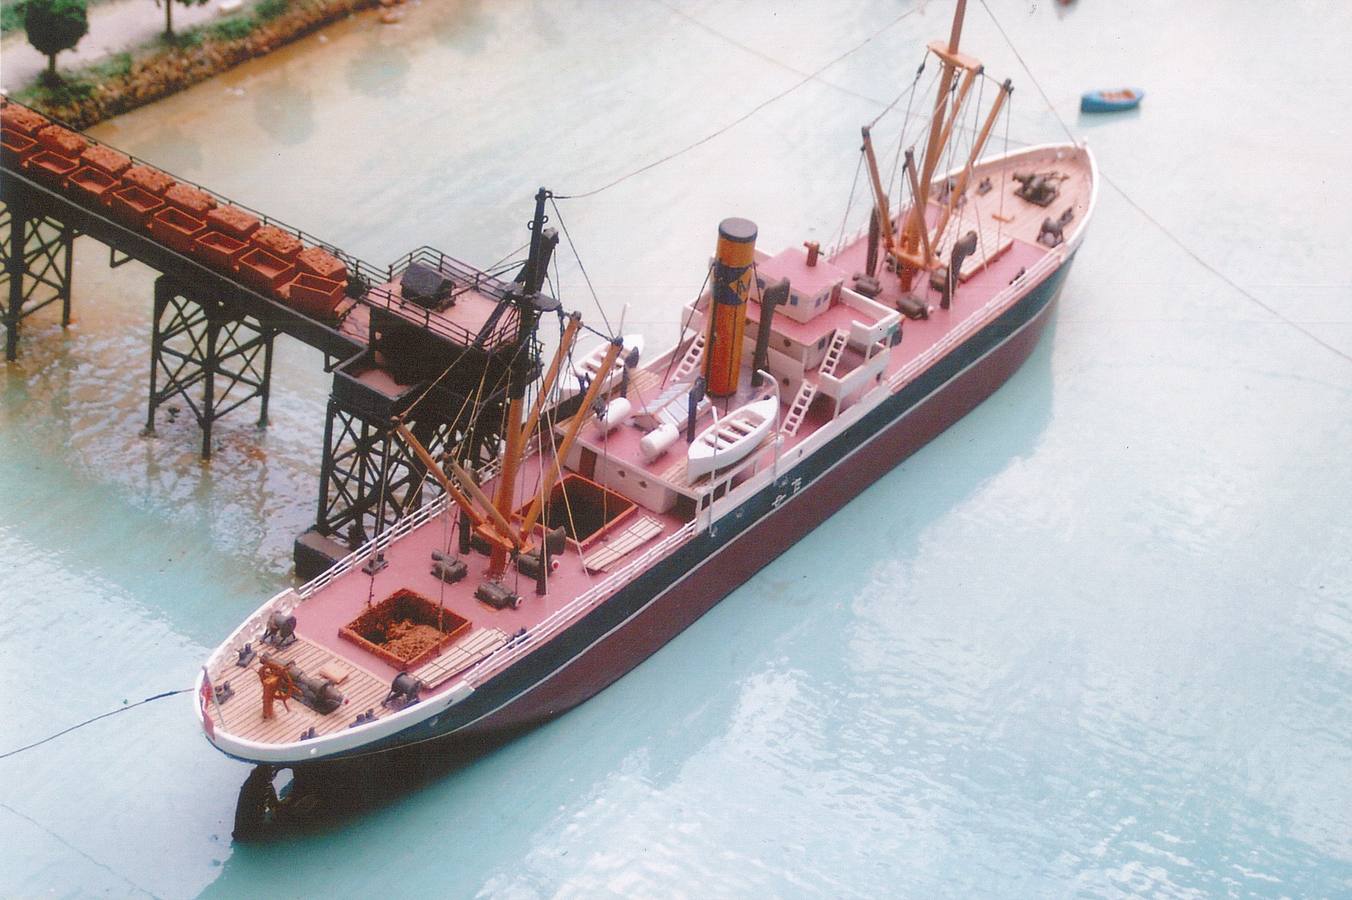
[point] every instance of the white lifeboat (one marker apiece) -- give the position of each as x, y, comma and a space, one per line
570, 382
732, 437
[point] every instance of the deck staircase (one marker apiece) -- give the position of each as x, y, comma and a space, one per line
798, 409
834, 352
690, 362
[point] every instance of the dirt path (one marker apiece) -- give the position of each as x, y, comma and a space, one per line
113, 27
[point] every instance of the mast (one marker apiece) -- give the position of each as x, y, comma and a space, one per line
961, 187
530, 304
908, 256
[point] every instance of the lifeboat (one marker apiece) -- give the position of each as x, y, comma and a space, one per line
732, 437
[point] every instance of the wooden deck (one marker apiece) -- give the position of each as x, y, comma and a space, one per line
460, 656
242, 714
616, 547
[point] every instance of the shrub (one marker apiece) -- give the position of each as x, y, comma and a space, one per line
53, 26
232, 29
270, 9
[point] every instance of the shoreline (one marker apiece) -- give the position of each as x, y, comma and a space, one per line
100, 91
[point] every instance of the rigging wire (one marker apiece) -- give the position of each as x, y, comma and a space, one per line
920, 70
685, 326
585, 276
120, 709
1004, 170
1015, 50
849, 205
1177, 241
895, 177
742, 118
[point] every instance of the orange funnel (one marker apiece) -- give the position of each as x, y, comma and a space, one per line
727, 313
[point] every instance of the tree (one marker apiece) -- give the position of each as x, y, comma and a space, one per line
169, 13
53, 26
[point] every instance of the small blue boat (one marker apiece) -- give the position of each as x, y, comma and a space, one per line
1111, 101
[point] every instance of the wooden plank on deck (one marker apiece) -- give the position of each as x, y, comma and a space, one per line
615, 548
460, 656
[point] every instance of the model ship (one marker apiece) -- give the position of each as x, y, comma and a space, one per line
630, 492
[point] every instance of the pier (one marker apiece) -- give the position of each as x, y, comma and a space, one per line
231, 280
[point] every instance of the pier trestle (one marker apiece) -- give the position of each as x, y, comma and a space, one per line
207, 341
37, 270
369, 479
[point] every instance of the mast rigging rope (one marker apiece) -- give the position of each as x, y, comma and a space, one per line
811, 76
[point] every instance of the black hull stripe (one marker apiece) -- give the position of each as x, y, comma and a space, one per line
630, 601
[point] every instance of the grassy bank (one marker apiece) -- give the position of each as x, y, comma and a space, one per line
128, 80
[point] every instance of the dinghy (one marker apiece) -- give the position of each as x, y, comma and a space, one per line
1111, 101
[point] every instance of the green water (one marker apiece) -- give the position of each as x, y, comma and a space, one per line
1095, 639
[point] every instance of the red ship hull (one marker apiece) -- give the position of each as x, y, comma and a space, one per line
680, 605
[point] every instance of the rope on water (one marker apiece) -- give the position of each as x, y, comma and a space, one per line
1177, 241
120, 709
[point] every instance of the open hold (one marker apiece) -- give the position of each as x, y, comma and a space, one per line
404, 629
584, 509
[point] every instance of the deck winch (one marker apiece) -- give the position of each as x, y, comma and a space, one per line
404, 692
281, 630
315, 691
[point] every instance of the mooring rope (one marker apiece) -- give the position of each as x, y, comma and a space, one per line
1177, 241
811, 76
121, 709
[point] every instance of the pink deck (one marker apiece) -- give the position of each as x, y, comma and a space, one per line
409, 560
410, 566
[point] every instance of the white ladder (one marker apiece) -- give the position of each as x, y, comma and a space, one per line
693, 354
798, 409
833, 353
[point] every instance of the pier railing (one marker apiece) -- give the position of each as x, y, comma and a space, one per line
373, 277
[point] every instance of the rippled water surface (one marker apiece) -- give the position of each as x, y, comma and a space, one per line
1095, 639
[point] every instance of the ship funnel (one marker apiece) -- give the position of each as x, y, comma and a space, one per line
727, 313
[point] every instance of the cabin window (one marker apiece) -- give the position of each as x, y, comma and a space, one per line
642, 483
793, 300
788, 344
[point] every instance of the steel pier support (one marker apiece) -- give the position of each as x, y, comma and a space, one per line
198, 340
369, 479
37, 272
362, 453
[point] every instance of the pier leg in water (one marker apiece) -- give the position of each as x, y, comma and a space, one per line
205, 340
37, 268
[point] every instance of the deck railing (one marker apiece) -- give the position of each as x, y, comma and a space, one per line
372, 547
987, 312
522, 644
